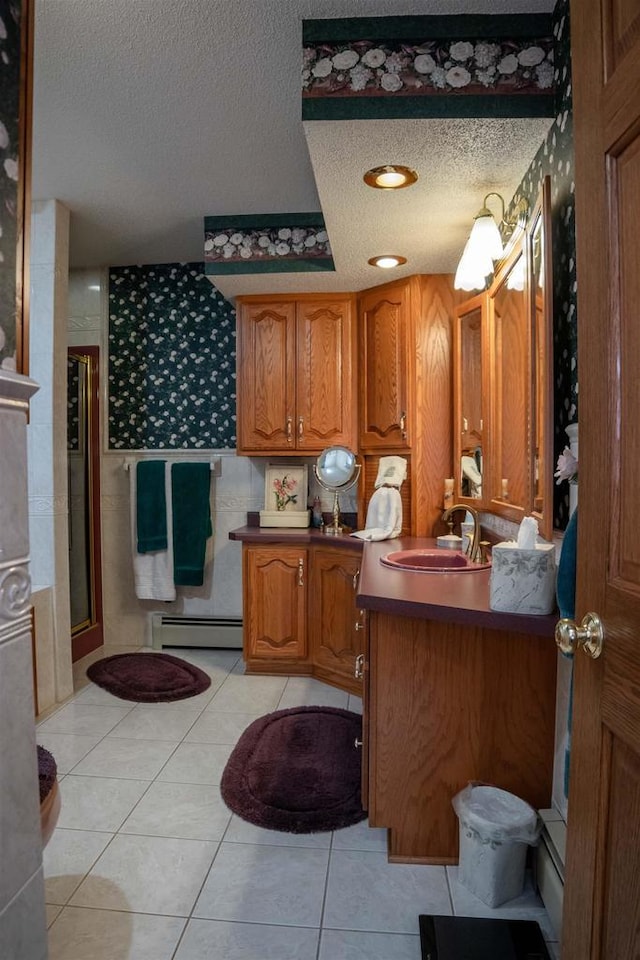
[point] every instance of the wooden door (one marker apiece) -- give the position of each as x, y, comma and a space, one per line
275, 605
266, 377
385, 338
335, 623
326, 378
602, 907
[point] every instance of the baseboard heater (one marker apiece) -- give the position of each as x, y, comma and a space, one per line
168, 631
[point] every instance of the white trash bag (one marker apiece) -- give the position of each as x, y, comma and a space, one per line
495, 829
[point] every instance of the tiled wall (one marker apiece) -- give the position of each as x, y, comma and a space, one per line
48, 489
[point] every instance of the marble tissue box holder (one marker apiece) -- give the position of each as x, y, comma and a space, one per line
523, 581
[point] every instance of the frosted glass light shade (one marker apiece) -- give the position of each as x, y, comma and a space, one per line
473, 269
485, 236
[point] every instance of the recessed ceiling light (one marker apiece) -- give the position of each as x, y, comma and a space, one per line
387, 261
392, 176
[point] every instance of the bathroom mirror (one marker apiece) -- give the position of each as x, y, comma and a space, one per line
470, 396
509, 310
335, 470
539, 250
84, 501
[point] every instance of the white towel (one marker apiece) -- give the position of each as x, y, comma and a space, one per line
384, 516
391, 470
152, 572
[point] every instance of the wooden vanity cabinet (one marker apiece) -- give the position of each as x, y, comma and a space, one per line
300, 614
336, 625
296, 374
275, 608
446, 704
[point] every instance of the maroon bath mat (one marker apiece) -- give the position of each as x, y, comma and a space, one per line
47, 772
148, 677
297, 771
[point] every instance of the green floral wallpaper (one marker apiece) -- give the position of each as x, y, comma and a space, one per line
9, 144
555, 157
172, 380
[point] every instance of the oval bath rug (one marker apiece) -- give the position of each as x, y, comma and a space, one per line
297, 771
148, 677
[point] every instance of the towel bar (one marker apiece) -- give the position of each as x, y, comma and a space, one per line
215, 464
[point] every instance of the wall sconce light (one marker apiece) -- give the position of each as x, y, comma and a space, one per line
484, 245
387, 261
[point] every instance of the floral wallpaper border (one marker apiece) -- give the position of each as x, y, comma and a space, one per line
515, 70
171, 360
269, 243
10, 27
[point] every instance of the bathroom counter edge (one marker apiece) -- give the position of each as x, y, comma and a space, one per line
461, 598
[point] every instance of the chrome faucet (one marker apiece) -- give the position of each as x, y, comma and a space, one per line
473, 551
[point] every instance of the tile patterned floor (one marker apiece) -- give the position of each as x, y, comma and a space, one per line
147, 862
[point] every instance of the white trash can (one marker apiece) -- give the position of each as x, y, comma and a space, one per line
495, 828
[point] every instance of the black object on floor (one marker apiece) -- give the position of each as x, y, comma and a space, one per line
472, 938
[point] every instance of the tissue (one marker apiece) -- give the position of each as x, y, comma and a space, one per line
523, 578
527, 534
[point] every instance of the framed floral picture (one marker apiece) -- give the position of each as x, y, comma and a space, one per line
286, 488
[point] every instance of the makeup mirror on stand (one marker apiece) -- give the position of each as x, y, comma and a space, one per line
336, 470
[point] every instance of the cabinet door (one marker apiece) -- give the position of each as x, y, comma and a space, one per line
336, 626
385, 337
275, 605
266, 377
325, 395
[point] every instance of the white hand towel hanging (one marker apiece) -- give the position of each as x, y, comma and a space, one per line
152, 572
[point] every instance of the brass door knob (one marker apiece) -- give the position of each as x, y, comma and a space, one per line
589, 635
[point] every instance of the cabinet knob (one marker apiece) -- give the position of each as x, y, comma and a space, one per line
359, 625
359, 668
357, 743
289, 429
301, 427
355, 579
403, 425
300, 572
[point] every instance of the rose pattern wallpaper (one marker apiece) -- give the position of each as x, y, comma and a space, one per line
555, 157
172, 360
9, 148
73, 405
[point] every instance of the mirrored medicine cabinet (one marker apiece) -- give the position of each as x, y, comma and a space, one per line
503, 390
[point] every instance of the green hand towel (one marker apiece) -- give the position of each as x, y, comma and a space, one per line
151, 506
191, 521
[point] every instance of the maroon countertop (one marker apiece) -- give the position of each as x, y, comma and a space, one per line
453, 597
293, 535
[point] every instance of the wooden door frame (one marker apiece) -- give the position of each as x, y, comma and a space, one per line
89, 638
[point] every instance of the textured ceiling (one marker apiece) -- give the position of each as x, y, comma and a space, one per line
151, 114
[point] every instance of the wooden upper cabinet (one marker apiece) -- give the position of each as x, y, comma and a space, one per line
266, 376
325, 397
386, 318
296, 374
